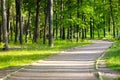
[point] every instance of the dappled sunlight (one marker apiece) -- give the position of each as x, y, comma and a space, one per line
65, 63
74, 64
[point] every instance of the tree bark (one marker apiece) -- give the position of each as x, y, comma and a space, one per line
17, 20
37, 23
78, 16
4, 24
46, 21
51, 23
112, 16
68, 33
11, 31
56, 18
83, 33
56, 26
63, 37
91, 29
109, 28
61, 18
8, 21
28, 26
99, 31
21, 21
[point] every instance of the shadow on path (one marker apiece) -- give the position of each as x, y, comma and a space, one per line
74, 64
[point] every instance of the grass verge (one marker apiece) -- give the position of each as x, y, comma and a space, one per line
20, 55
113, 56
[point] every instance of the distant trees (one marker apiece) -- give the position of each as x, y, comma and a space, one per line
47, 20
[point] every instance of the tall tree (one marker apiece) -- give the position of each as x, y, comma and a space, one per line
4, 24
46, 21
18, 21
51, 23
78, 16
37, 23
112, 16
28, 26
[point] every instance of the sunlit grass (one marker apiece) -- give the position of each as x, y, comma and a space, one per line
20, 55
113, 56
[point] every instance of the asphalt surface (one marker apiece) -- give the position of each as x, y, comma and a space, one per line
74, 64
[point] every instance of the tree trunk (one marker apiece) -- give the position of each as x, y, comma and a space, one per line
21, 21
83, 30
61, 31
56, 27
109, 29
83, 34
112, 16
61, 18
0, 32
104, 31
68, 33
91, 29
51, 23
99, 31
78, 33
17, 20
78, 16
37, 23
46, 21
11, 31
28, 26
4, 23
63, 37
56, 18
71, 32
8, 20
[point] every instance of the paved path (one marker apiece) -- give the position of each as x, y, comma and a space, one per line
74, 64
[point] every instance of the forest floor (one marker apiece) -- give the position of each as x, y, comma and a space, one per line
78, 63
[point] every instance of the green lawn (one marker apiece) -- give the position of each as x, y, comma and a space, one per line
117, 79
113, 56
27, 53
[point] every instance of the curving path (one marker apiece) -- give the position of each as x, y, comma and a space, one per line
75, 64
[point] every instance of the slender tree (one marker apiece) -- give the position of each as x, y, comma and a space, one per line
46, 22
21, 20
17, 20
51, 23
78, 16
113, 20
37, 23
4, 24
28, 26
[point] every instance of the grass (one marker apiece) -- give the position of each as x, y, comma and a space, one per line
27, 53
113, 56
117, 78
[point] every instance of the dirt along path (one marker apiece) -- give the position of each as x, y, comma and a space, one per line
74, 64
